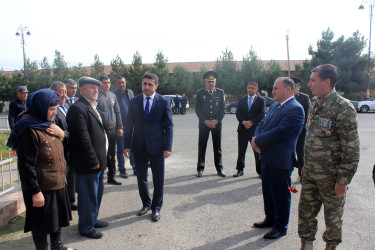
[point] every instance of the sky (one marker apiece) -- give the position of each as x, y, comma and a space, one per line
185, 31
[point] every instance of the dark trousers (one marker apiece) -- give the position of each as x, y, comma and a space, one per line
183, 109
70, 184
276, 196
204, 133
157, 168
111, 154
243, 141
300, 150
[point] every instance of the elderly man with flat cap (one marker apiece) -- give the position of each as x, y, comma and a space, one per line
88, 150
210, 109
17, 106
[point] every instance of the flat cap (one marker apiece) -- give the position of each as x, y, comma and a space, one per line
296, 81
210, 76
88, 80
22, 89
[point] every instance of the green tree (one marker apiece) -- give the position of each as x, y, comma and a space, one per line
45, 74
269, 75
252, 69
32, 73
135, 73
77, 72
97, 68
180, 82
229, 77
160, 68
60, 67
197, 82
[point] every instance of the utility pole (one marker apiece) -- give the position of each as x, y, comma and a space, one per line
23, 30
287, 49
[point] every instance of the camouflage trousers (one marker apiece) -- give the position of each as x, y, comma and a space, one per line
317, 191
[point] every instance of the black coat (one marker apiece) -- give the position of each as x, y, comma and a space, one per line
87, 138
255, 114
60, 120
304, 100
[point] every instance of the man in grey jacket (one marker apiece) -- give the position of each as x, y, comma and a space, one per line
110, 111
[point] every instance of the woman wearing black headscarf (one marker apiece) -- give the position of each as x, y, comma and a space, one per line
42, 168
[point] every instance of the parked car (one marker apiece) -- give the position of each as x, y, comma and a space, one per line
355, 104
366, 106
173, 97
232, 107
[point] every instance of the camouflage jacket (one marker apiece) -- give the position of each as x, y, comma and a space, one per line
332, 141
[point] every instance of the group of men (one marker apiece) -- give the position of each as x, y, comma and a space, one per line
320, 139
178, 104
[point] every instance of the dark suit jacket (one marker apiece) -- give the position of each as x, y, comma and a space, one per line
61, 122
255, 114
67, 104
119, 99
87, 138
277, 134
156, 132
304, 100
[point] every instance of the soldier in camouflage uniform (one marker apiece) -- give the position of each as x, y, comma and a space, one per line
210, 109
331, 158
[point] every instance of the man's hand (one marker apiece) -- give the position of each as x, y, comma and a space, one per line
214, 123
207, 123
38, 199
127, 152
166, 154
56, 131
120, 132
340, 189
248, 124
254, 146
96, 167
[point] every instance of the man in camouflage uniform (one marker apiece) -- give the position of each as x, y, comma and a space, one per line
210, 109
331, 158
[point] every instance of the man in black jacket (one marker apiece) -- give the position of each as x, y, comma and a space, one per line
251, 110
88, 151
17, 106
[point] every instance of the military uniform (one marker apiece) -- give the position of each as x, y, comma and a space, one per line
210, 106
331, 156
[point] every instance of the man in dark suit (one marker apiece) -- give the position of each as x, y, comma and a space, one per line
184, 102
149, 134
275, 139
71, 91
17, 106
60, 120
210, 109
88, 156
304, 100
251, 110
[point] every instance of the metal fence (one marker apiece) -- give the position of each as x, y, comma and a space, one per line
4, 122
9, 173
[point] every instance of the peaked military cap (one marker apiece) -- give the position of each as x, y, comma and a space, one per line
210, 76
296, 80
22, 89
88, 80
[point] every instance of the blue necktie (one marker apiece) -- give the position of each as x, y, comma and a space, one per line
250, 103
147, 108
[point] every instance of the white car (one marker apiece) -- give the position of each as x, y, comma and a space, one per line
366, 106
172, 98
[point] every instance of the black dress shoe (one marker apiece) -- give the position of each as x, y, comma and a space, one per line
155, 216
114, 182
273, 234
143, 211
238, 174
199, 173
221, 173
263, 224
73, 207
101, 224
93, 234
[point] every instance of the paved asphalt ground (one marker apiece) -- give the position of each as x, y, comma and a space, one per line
218, 213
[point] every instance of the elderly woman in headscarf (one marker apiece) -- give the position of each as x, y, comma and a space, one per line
42, 168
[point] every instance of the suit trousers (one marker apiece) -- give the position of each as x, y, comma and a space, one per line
243, 141
89, 188
111, 154
157, 167
120, 154
276, 196
204, 133
300, 150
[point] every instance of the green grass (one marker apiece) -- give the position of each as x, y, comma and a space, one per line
4, 149
13, 237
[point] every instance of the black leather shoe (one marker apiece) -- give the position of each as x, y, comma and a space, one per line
238, 174
273, 234
221, 173
143, 211
93, 234
155, 216
73, 207
263, 224
101, 224
114, 182
199, 173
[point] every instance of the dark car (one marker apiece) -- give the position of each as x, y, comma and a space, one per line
232, 107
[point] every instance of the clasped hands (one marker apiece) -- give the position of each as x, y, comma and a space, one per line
211, 123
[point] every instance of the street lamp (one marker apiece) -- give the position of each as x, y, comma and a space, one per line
371, 7
22, 30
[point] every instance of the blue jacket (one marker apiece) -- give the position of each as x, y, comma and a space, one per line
156, 132
277, 134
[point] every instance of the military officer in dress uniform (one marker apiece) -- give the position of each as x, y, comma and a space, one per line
304, 100
210, 109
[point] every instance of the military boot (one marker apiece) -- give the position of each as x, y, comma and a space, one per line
330, 247
306, 244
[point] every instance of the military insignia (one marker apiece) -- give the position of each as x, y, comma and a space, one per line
217, 103
204, 98
325, 123
112, 100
